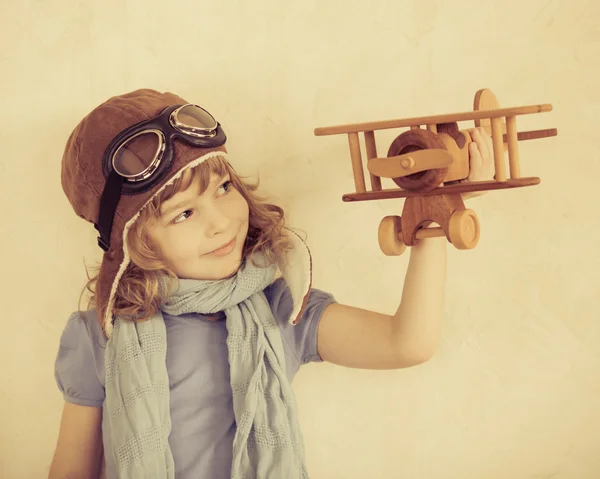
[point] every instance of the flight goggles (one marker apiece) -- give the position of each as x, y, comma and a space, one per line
140, 156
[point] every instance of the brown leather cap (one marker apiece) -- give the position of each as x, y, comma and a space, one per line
83, 180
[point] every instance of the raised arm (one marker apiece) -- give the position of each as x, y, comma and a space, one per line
358, 338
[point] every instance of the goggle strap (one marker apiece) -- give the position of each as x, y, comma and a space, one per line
108, 205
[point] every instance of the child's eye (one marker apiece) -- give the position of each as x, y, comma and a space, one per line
182, 217
224, 188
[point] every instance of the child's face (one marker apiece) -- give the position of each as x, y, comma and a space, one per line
201, 236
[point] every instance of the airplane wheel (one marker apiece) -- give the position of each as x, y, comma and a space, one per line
414, 140
389, 242
463, 229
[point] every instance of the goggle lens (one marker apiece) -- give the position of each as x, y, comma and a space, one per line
137, 158
192, 118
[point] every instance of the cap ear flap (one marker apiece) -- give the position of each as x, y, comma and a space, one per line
297, 273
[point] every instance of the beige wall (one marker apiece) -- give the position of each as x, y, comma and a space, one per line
514, 390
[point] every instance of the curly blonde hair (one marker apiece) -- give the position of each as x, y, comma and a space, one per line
139, 293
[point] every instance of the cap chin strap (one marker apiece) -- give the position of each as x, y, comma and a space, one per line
108, 205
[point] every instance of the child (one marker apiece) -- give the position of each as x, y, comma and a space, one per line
183, 367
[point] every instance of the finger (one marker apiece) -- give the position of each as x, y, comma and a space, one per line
471, 132
475, 162
489, 160
488, 140
488, 157
481, 144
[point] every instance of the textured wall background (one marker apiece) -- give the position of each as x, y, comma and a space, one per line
514, 390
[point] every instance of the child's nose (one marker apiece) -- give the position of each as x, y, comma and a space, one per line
218, 222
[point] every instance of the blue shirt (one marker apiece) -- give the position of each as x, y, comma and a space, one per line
201, 402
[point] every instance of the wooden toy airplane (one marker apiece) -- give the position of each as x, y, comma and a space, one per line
429, 165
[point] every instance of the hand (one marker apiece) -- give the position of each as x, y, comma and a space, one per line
481, 159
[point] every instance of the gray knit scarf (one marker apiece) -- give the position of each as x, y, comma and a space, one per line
268, 442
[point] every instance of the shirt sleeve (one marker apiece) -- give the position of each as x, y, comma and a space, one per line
76, 370
302, 338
